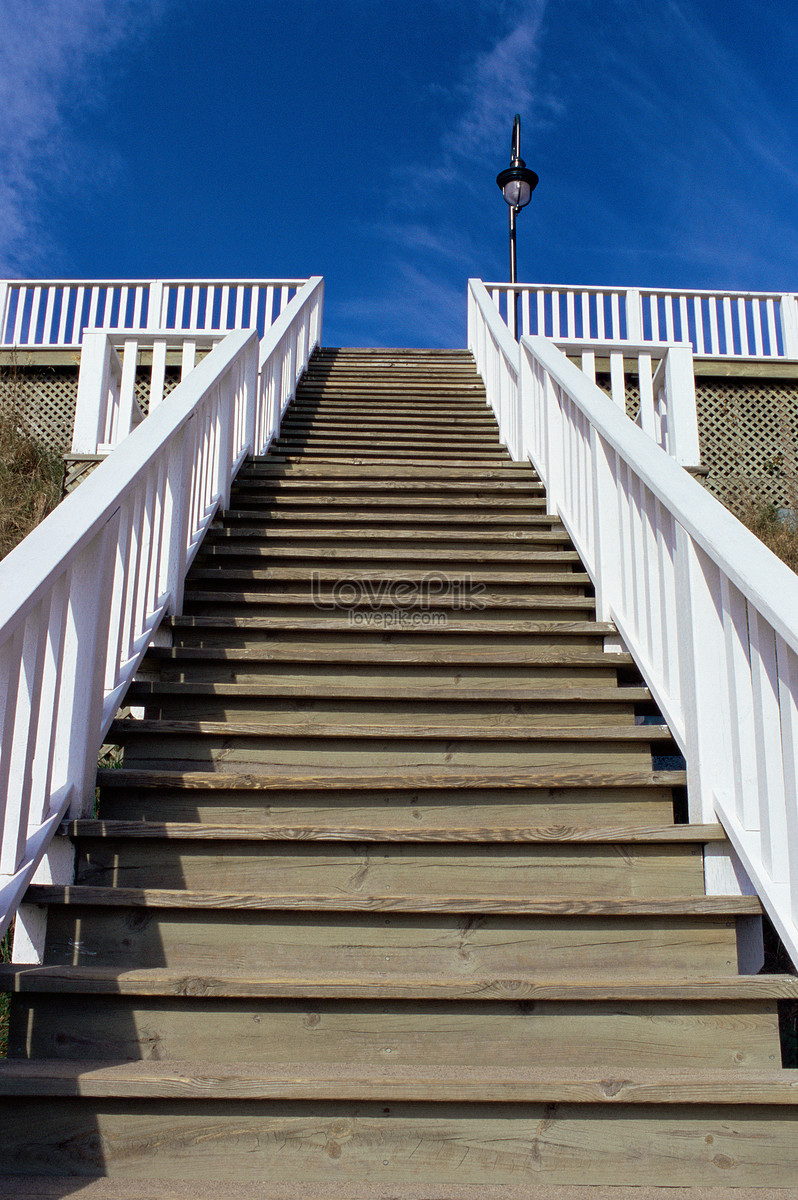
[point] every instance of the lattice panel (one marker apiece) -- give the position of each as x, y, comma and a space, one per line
45, 398
749, 434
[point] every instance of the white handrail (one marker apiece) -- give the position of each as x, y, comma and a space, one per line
718, 324
710, 615
82, 595
55, 312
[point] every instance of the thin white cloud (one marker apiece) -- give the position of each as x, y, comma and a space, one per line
434, 254
501, 84
51, 55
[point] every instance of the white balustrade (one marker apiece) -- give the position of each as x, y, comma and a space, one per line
107, 408
667, 410
759, 325
82, 595
55, 312
709, 614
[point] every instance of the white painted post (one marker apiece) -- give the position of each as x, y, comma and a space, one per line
3, 310
704, 688
127, 388
555, 450
250, 385
634, 316
189, 357
92, 399
175, 520
156, 318
158, 373
608, 533
617, 384
648, 422
683, 444
789, 325
83, 672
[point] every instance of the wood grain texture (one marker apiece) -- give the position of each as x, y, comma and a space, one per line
631, 834
291, 982
444, 1084
409, 1145
69, 894
619, 1035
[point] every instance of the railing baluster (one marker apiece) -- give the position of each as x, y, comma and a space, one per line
767, 732
756, 312
787, 664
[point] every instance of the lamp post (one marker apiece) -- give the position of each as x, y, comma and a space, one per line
517, 184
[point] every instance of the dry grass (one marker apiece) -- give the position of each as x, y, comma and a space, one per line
5, 997
31, 475
776, 527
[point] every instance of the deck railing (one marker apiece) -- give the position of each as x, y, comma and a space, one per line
710, 615
55, 312
82, 595
717, 324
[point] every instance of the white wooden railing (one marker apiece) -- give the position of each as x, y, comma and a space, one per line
81, 596
55, 312
710, 615
717, 324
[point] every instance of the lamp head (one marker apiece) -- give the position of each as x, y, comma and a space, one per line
517, 182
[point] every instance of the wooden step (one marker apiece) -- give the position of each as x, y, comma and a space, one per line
392, 810
303, 573
554, 1034
205, 933
123, 731
362, 778
381, 653
349, 535
565, 630
465, 1085
142, 690
411, 876
313, 984
189, 830
320, 517
17, 1187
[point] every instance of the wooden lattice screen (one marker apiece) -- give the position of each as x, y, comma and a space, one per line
748, 430
43, 399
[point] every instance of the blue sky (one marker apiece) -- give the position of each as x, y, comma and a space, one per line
360, 139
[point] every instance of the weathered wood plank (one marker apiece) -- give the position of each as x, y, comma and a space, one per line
290, 982
412, 1144
444, 1084
186, 898
364, 778
682, 1034
389, 832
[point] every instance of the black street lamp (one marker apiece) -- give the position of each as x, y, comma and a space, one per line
517, 183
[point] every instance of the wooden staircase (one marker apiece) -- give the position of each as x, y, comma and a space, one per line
390, 896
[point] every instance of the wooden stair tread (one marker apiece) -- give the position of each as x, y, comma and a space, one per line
521, 540
55, 1187
571, 579
361, 1081
314, 983
391, 654
461, 731
356, 778
323, 623
377, 554
406, 690
320, 602
123, 897
415, 832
